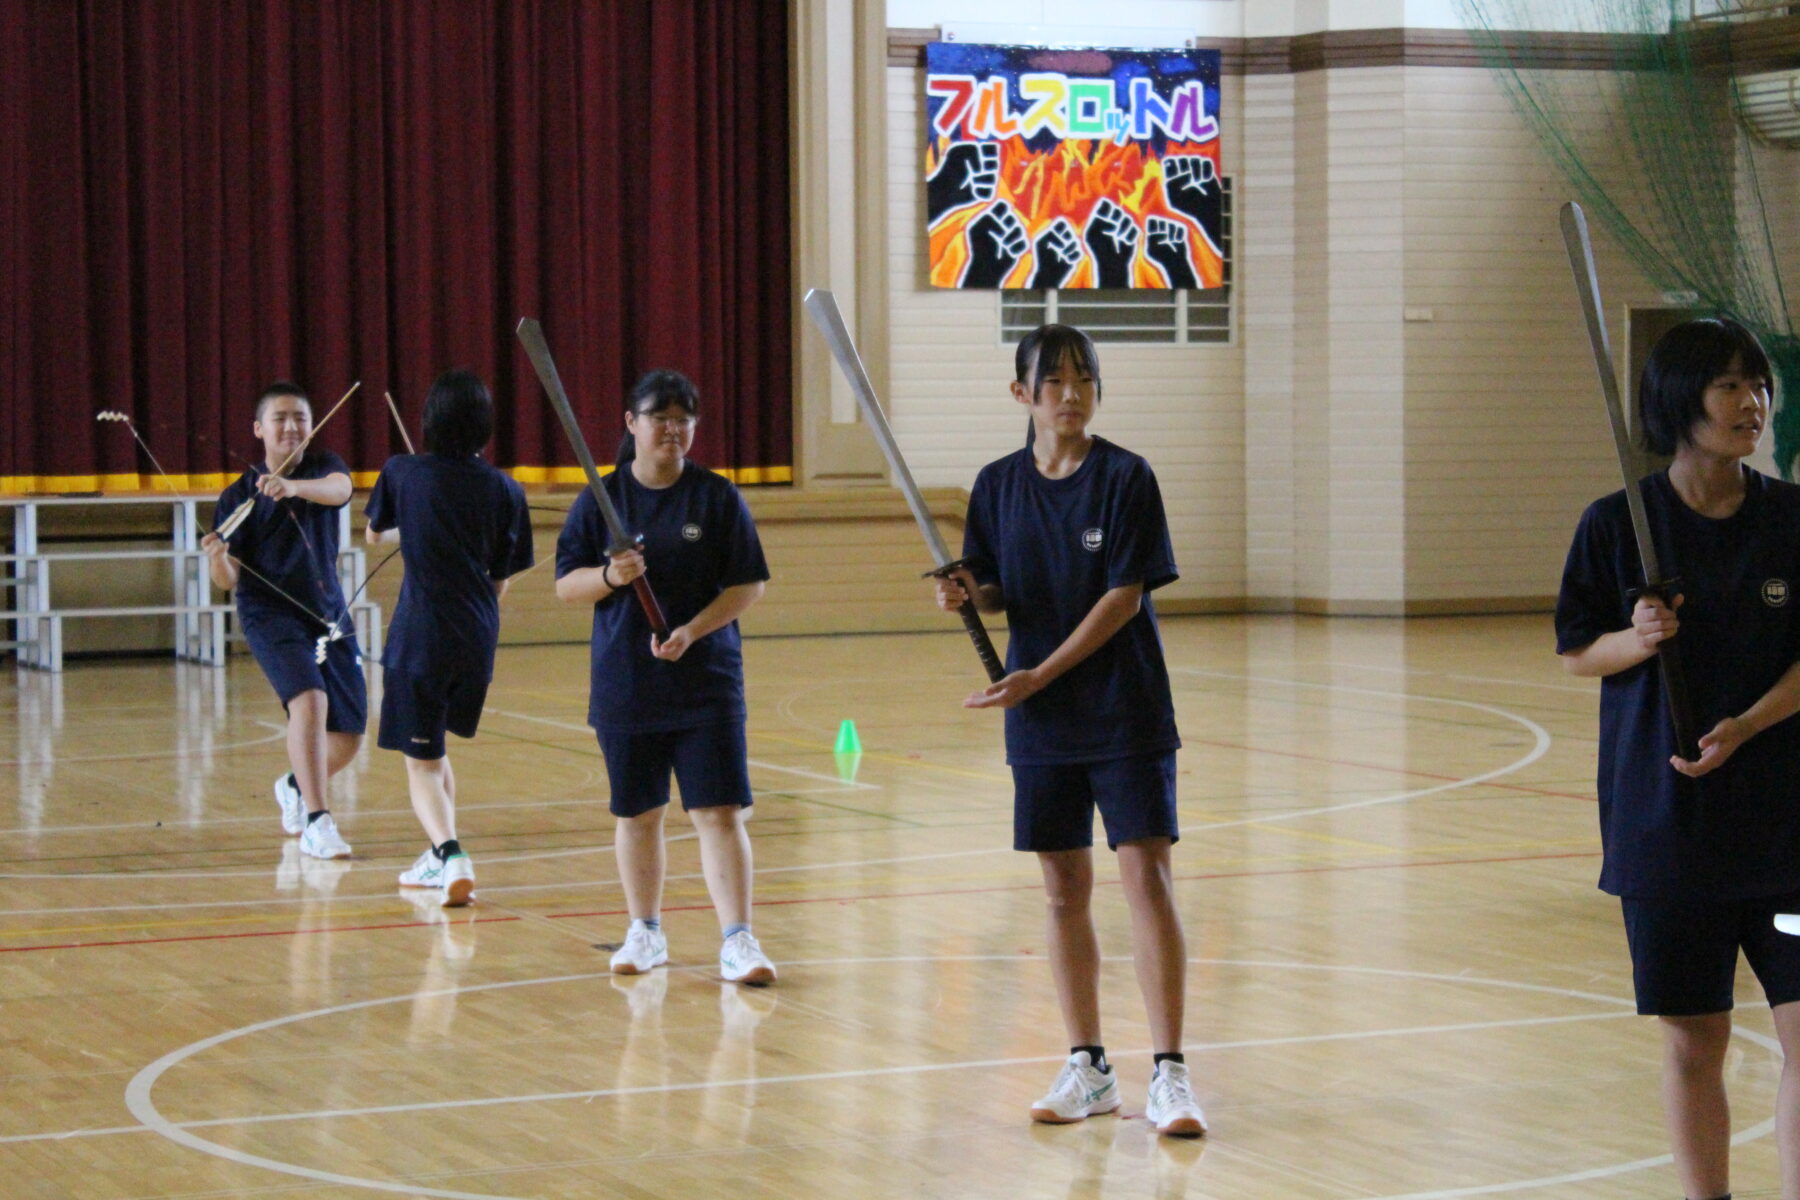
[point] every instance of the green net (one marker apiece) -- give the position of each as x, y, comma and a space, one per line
1649, 144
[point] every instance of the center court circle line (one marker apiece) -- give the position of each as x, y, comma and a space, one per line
1540, 747
139, 1102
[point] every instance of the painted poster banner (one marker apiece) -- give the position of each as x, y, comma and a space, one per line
1072, 168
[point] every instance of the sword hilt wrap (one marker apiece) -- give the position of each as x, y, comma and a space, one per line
1673, 674
971, 619
652, 610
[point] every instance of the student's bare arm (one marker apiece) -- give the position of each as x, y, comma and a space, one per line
1722, 741
1652, 623
330, 490
1111, 613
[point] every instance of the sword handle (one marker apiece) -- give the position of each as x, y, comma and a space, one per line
971, 619
652, 610
646, 598
984, 646
1675, 695
1674, 674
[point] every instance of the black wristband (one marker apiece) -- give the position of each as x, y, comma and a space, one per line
607, 579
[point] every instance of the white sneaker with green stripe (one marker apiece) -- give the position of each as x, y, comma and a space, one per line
1081, 1090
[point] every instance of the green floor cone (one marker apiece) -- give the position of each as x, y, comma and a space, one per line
848, 742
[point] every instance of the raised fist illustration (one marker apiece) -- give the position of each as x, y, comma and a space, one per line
1058, 254
968, 174
1112, 236
996, 241
1191, 183
1166, 245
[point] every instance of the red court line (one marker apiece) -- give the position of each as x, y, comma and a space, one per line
222, 937
1022, 887
1343, 762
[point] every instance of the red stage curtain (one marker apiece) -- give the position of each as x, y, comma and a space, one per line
200, 197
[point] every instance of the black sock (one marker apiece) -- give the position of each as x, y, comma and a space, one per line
1096, 1055
292, 782
1157, 1060
447, 849
313, 816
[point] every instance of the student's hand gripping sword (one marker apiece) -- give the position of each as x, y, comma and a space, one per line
823, 309
1631, 466
531, 335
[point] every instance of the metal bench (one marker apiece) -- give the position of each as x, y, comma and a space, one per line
40, 637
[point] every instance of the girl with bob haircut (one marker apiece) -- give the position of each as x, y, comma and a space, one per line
674, 705
1702, 854
463, 530
1068, 538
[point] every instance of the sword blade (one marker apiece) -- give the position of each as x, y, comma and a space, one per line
1631, 466
531, 336
822, 306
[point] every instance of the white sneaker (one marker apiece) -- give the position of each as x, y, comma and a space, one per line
1081, 1090
1172, 1108
321, 839
427, 871
293, 805
459, 881
741, 960
644, 950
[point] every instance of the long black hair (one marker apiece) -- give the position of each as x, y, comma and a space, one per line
1672, 388
1045, 349
459, 415
656, 391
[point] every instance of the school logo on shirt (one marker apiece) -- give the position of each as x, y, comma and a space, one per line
1775, 592
690, 532
1091, 538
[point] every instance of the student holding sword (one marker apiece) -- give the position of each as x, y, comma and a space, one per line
1702, 846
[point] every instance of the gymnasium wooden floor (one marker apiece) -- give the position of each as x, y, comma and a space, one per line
1403, 980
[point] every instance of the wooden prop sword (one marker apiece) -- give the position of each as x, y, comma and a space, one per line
1631, 466
822, 306
531, 335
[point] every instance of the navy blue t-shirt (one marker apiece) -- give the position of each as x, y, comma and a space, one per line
463, 525
1055, 546
698, 541
294, 543
1734, 833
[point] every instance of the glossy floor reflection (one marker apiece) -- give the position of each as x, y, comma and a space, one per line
1404, 982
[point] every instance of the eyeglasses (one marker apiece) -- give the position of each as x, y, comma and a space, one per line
663, 421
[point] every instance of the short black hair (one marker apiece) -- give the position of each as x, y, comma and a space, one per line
653, 393
662, 389
278, 389
459, 415
1046, 347
1672, 388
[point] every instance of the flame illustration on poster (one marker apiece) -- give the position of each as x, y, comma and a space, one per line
1072, 168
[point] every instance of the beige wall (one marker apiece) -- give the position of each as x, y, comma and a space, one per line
1181, 407
1407, 419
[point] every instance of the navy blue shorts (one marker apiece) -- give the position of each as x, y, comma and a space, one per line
287, 656
1684, 954
1053, 806
708, 761
417, 709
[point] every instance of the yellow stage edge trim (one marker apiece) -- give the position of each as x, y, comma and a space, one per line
151, 486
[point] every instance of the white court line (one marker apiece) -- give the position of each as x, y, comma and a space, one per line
183, 822
327, 1114
1591, 690
844, 785
1540, 747
51, 760
138, 1090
